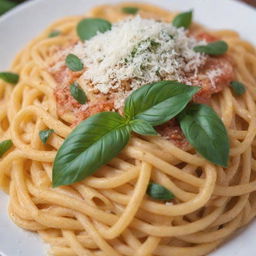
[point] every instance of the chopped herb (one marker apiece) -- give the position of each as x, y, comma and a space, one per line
183, 20
54, 33
74, 63
213, 48
237, 87
159, 192
130, 10
9, 77
45, 135
78, 93
5, 146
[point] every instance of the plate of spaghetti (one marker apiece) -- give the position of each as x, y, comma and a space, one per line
128, 129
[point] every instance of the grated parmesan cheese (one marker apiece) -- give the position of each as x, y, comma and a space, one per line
135, 52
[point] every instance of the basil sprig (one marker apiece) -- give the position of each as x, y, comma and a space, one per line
159, 192
44, 135
206, 132
78, 93
89, 27
130, 10
237, 87
54, 33
9, 77
5, 146
183, 20
93, 143
214, 48
74, 63
158, 102
96, 140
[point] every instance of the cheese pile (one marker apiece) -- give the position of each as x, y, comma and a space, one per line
137, 51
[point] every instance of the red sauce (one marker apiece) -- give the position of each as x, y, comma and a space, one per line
170, 130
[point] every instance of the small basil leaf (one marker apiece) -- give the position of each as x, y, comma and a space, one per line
213, 48
159, 192
237, 87
89, 27
206, 132
5, 146
130, 10
54, 33
74, 63
6, 5
93, 143
78, 93
45, 134
142, 127
9, 77
183, 20
158, 102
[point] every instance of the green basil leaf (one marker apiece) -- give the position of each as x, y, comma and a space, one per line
54, 33
5, 146
142, 127
89, 27
78, 93
159, 192
206, 132
213, 48
158, 102
237, 87
45, 134
6, 5
130, 10
183, 20
9, 77
74, 63
93, 143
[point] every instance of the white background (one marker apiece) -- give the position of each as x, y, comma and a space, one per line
28, 20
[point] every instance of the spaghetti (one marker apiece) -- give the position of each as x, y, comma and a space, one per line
108, 213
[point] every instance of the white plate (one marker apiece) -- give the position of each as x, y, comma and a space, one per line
22, 24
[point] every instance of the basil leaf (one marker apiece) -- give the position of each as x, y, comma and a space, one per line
130, 10
206, 132
93, 143
158, 102
78, 93
9, 77
142, 127
159, 192
5, 146
6, 5
45, 134
89, 27
54, 33
74, 63
213, 48
183, 20
237, 87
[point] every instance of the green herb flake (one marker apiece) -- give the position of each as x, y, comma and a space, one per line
44, 135
89, 27
9, 77
159, 192
238, 88
74, 63
214, 48
78, 93
130, 10
54, 33
183, 20
5, 146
